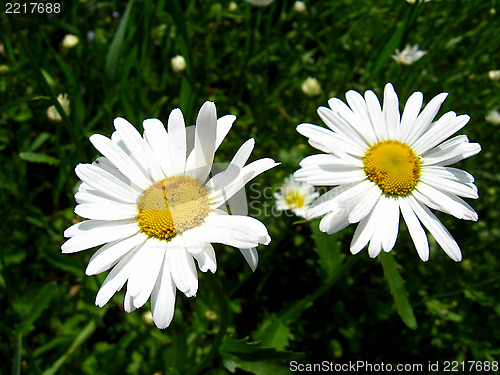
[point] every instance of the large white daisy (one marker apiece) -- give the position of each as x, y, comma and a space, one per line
148, 201
383, 164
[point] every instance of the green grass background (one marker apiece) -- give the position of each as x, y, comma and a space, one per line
310, 299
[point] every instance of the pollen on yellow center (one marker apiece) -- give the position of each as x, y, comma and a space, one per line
393, 166
294, 199
172, 206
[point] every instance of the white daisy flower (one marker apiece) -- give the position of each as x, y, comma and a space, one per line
295, 196
148, 201
382, 164
408, 55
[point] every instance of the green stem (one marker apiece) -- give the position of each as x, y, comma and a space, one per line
224, 320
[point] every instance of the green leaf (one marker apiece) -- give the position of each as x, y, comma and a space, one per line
273, 333
398, 290
36, 157
252, 357
116, 45
329, 251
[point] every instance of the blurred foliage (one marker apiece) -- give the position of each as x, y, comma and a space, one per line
310, 299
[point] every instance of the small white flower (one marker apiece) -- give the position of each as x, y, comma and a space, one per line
260, 3
295, 196
493, 117
299, 7
408, 55
70, 41
53, 113
178, 64
383, 164
494, 75
420, 1
311, 87
233, 6
151, 204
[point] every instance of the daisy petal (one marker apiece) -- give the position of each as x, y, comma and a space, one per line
417, 233
157, 137
183, 269
437, 229
199, 162
177, 142
251, 256
108, 255
91, 233
120, 160
140, 148
163, 296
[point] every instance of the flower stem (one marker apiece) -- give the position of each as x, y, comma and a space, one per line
224, 320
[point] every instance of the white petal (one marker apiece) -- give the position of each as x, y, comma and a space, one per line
105, 182
157, 137
116, 278
417, 233
251, 256
177, 142
120, 160
234, 168
232, 230
360, 111
330, 200
376, 117
139, 148
183, 269
109, 211
345, 113
163, 296
450, 153
367, 202
437, 229
446, 126
448, 202
199, 162
365, 229
223, 126
467, 190
391, 111
222, 194
329, 175
343, 130
91, 233
450, 173
108, 255
425, 118
391, 223
146, 273
410, 113
327, 141
334, 221
206, 258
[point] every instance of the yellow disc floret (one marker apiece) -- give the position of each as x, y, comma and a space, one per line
294, 199
172, 206
393, 166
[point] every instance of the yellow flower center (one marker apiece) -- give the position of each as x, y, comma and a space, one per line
172, 206
393, 166
294, 199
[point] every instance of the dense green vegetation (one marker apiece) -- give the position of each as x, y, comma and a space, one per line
309, 300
